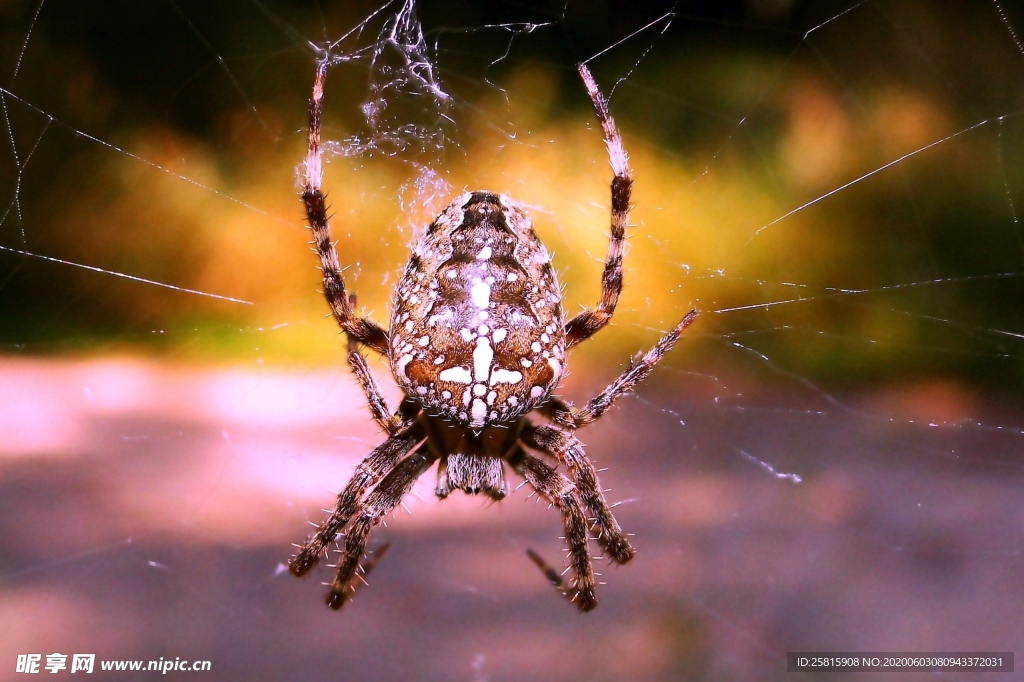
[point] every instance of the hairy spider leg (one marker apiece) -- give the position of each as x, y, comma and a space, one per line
378, 504
565, 415
382, 460
391, 423
562, 493
591, 320
568, 449
549, 572
362, 329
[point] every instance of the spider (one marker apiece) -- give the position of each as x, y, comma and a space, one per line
477, 341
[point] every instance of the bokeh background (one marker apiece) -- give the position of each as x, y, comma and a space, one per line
831, 460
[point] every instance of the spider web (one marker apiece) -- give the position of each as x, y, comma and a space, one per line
829, 461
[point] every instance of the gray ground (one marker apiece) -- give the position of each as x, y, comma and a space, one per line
146, 510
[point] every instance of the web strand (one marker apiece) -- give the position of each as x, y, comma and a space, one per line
133, 278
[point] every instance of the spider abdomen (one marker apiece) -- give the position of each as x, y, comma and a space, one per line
477, 332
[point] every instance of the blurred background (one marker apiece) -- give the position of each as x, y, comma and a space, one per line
830, 460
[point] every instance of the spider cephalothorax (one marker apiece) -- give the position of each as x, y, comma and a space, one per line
477, 341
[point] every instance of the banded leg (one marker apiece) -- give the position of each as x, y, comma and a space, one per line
383, 459
588, 322
378, 504
363, 330
391, 423
570, 418
561, 492
568, 449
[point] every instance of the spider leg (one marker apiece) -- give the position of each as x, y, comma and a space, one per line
382, 460
568, 449
567, 416
588, 322
560, 491
362, 329
550, 573
378, 504
391, 423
